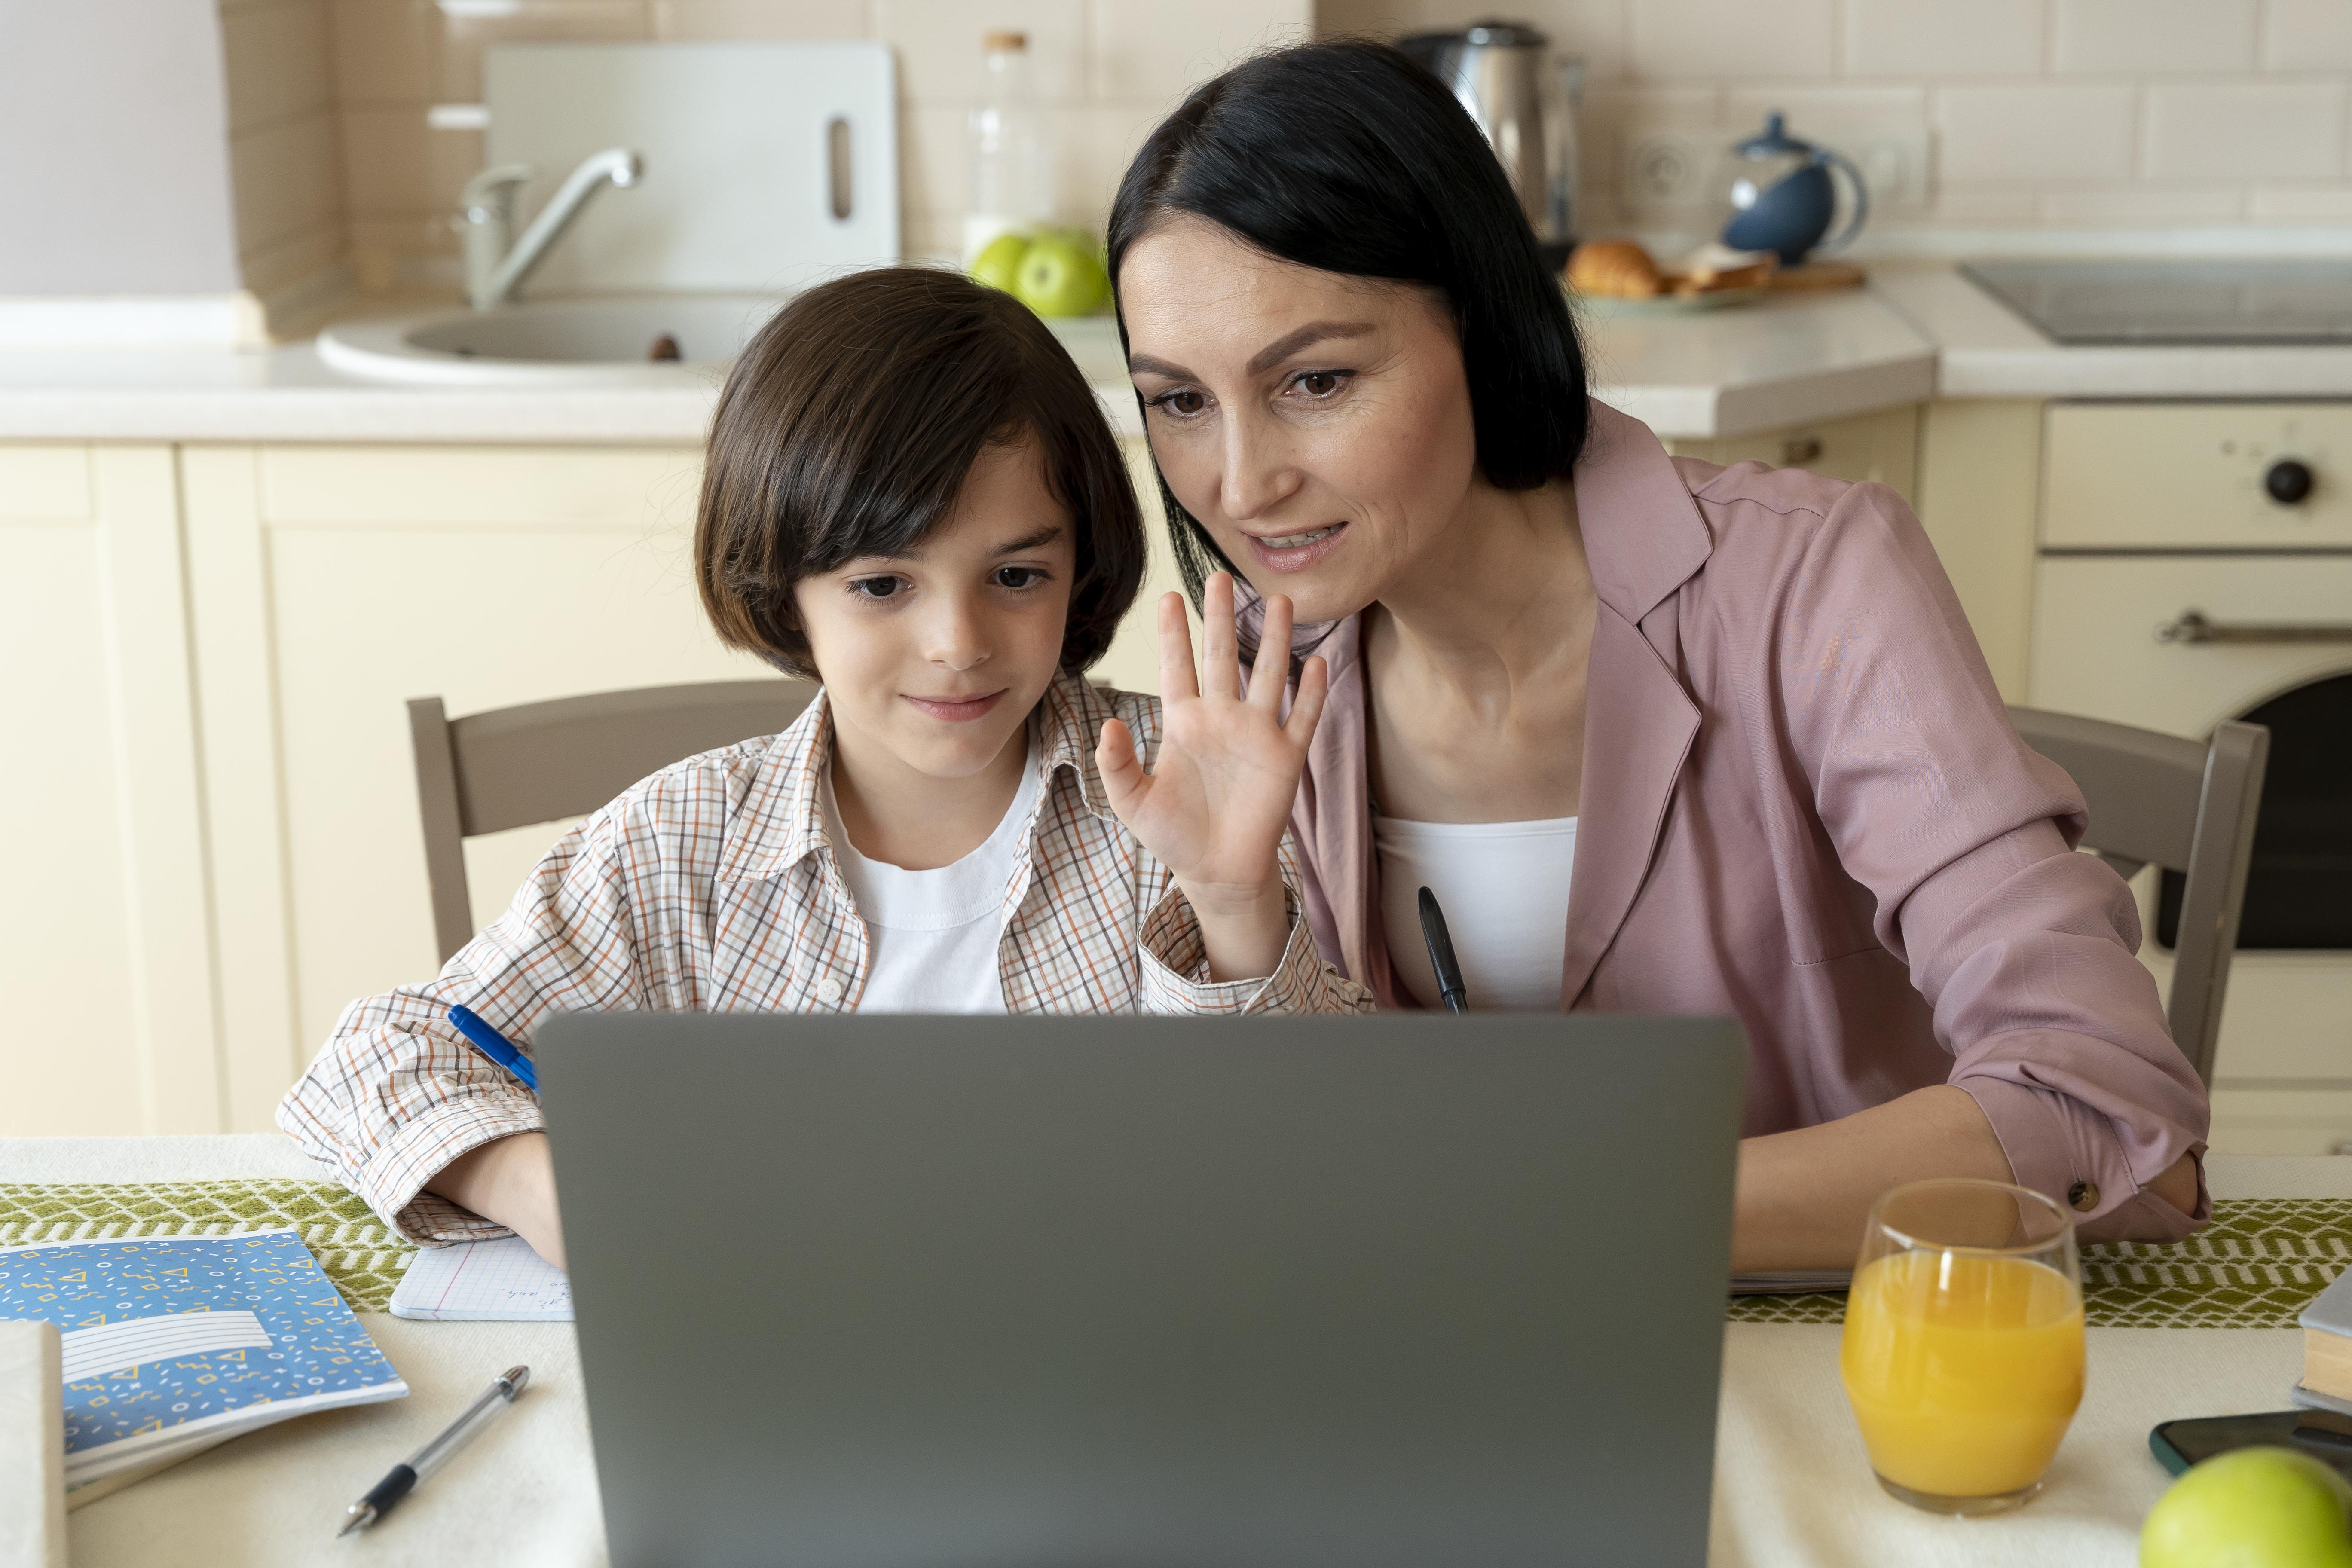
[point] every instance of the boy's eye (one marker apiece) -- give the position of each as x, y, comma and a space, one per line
876, 587
1019, 576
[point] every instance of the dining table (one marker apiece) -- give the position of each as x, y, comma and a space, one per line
2205, 1326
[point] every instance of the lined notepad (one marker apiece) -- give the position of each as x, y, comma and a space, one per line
496, 1282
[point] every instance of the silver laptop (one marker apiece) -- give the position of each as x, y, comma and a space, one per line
914, 1292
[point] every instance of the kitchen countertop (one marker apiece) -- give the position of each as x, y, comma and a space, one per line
1718, 372
1986, 350
1920, 330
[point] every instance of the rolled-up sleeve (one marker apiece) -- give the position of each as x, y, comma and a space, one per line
396, 1094
1174, 963
2024, 950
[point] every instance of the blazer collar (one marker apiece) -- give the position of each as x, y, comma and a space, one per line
780, 822
1643, 536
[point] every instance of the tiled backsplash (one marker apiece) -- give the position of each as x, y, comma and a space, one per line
334, 156
1971, 114
1968, 114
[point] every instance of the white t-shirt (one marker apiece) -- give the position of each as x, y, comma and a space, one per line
933, 935
1503, 887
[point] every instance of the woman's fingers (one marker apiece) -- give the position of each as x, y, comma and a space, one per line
1307, 707
1177, 680
1221, 673
1272, 667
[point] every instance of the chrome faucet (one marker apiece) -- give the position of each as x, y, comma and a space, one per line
493, 271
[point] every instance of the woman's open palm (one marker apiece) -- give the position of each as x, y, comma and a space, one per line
1215, 808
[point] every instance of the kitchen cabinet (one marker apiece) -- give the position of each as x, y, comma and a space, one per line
221, 641
108, 1016
1971, 471
1882, 447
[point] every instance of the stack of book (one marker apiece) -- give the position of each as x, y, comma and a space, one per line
2327, 1349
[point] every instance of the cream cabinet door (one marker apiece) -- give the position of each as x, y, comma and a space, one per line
333, 583
1882, 447
107, 997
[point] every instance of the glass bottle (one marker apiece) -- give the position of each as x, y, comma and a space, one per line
1012, 167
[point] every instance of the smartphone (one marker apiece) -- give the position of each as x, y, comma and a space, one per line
2322, 1434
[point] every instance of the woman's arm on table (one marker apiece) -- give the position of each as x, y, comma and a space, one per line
1804, 1196
2064, 1077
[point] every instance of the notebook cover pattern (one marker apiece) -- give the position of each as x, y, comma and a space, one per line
169, 1338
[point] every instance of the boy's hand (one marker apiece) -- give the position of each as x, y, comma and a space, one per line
1228, 770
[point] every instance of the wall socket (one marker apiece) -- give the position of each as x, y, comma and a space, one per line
1673, 170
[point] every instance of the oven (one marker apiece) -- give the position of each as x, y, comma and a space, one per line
2194, 564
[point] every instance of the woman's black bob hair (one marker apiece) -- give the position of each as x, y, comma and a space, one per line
1347, 157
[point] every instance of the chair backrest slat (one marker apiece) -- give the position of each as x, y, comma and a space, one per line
544, 761
2185, 805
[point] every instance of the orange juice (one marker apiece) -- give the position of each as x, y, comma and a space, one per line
1963, 1371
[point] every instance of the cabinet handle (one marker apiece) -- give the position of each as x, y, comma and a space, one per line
2191, 627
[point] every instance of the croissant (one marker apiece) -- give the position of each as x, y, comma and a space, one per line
1614, 270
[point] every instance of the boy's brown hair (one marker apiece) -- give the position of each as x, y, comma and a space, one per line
849, 424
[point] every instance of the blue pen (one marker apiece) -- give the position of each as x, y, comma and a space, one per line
495, 1046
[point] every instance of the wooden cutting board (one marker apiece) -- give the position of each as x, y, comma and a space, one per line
1817, 275
766, 166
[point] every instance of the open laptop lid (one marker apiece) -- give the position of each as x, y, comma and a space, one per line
908, 1290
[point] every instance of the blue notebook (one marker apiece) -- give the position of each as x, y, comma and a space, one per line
175, 1343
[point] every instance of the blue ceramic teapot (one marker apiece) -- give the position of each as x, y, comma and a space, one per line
1781, 196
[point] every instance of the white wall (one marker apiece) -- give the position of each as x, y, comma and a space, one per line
115, 181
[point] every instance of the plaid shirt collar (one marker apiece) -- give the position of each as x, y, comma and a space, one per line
780, 822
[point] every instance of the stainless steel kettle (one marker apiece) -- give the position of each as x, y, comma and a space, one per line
1502, 72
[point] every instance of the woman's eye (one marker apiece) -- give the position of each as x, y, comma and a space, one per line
1320, 383
877, 588
1183, 403
1019, 576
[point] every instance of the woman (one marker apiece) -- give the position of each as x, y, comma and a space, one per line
1662, 737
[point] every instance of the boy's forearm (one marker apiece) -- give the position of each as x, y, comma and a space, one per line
512, 1180
1244, 934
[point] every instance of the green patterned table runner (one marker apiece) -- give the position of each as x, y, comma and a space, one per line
2255, 1267
358, 1251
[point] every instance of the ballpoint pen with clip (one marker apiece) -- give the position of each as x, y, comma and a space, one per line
1440, 954
428, 1460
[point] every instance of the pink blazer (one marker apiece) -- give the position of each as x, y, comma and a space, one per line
1804, 806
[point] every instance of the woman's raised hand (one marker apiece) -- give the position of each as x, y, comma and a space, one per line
1214, 809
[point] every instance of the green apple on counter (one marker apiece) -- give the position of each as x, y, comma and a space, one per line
999, 265
1055, 272
2252, 1507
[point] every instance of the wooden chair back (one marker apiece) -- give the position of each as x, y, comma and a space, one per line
2186, 806
543, 761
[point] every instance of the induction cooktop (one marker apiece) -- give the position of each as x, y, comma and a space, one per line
2206, 301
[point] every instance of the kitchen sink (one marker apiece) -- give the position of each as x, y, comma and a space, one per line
638, 339
645, 340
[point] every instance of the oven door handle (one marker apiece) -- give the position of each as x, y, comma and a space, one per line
2191, 627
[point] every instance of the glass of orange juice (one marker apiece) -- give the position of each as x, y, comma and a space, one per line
1963, 1349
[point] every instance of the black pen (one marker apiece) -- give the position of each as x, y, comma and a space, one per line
1440, 954
428, 1460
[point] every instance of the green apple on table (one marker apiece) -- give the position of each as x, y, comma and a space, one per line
2252, 1507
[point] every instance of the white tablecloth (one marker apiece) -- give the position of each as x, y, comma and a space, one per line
1791, 1486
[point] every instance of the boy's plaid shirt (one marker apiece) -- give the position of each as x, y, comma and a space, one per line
711, 887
